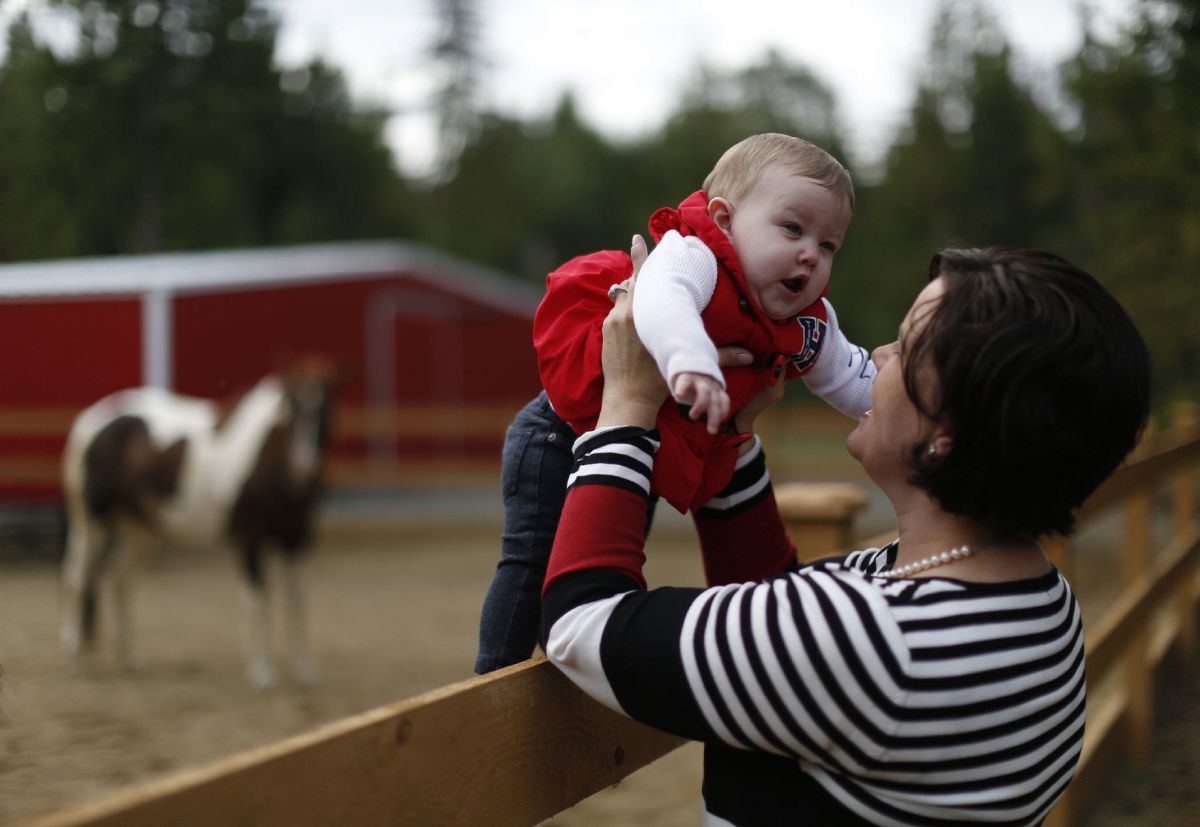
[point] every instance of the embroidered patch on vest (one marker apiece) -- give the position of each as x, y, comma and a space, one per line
814, 337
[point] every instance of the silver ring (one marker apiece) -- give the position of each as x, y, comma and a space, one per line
615, 290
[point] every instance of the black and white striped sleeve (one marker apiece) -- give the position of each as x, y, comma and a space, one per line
621, 457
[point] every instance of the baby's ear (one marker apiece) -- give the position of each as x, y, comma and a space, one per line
721, 212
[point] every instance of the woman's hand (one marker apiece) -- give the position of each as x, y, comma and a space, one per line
633, 388
744, 419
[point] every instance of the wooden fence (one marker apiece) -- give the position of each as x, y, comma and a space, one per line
519, 745
1150, 627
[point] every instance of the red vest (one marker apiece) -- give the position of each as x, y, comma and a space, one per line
692, 465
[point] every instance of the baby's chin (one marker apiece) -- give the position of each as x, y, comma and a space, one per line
785, 311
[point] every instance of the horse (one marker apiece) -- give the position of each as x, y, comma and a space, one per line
145, 466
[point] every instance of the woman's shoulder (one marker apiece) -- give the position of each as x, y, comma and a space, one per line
855, 573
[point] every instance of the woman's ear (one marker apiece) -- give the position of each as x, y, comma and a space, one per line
940, 447
721, 212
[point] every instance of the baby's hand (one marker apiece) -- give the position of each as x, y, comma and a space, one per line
706, 397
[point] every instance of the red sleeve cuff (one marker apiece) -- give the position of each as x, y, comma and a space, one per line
601, 528
746, 548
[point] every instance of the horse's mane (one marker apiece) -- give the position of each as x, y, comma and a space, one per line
293, 374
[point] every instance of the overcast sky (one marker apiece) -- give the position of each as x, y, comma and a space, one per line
626, 59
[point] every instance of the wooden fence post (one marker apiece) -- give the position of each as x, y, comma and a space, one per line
1061, 815
820, 516
1183, 510
1138, 678
1058, 549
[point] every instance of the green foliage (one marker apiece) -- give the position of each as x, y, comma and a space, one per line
169, 127
35, 192
719, 109
978, 163
536, 194
1136, 198
527, 196
455, 51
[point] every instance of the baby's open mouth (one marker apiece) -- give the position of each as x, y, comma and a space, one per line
795, 285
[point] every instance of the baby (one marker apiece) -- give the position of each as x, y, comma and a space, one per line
744, 262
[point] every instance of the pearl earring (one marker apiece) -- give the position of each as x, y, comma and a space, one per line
931, 450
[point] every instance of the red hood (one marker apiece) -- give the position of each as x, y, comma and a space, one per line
691, 218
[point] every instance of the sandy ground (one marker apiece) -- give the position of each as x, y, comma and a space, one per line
394, 613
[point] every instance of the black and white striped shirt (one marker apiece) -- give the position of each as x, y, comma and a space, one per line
826, 694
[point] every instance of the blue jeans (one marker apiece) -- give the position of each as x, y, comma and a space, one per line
533, 479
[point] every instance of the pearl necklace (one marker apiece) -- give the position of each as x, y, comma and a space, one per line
945, 557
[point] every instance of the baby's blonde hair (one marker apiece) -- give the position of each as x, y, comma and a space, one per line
740, 167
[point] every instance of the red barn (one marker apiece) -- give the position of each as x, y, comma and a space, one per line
438, 351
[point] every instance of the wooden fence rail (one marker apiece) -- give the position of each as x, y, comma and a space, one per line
510, 748
519, 745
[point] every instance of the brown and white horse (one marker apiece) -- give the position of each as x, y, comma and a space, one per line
143, 466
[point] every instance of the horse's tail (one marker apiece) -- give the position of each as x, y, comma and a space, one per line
123, 470
114, 463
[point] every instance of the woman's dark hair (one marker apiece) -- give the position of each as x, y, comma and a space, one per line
1042, 379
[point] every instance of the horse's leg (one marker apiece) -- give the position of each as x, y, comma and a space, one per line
304, 669
128, 560
259, 668
87, 541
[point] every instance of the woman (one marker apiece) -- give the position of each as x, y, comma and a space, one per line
938, 680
